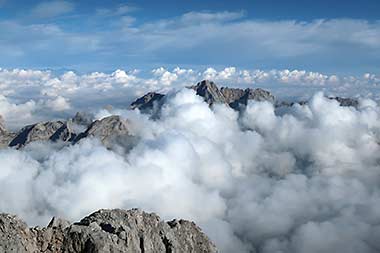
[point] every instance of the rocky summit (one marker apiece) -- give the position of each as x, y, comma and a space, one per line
148, 101
234, 97
52, 130
107, 130
105, 231
114, 129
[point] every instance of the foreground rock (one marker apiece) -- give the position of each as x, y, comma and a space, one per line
105, 231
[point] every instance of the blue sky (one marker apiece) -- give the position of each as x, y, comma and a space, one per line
326, 36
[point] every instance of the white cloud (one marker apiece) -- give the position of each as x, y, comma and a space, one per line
52, 9
58, 104
48, 95
210, 17
303, 181
116, 38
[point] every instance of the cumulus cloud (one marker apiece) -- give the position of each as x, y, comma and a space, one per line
16, 114
303, 181
49, 95
58, 104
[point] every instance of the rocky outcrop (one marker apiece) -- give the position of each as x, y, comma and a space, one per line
148, 101
113, 129
346, 101
105, 231
51, 130
236, 98
107, 130
209, 91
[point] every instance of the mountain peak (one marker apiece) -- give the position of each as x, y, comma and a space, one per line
209, 91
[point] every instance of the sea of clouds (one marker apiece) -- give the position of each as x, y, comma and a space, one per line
303, 180
28, 96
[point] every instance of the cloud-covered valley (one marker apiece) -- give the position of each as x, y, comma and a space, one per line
303, 180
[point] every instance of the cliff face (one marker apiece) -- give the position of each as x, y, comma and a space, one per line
105, 231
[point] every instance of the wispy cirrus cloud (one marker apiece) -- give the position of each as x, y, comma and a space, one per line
117, 38
51, 9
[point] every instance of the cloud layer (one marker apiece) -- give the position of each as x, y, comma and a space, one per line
305, 181
42, 95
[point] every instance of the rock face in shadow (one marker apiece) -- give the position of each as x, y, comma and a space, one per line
346, 101
105, 231
107, 130
236, 98
148, 101
209, 91
51, 130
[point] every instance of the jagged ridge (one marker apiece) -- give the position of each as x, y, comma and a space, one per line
114, 230
115, 129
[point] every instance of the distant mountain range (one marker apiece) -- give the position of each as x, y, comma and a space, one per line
114, 128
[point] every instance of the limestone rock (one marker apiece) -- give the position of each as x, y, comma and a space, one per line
237, 97
15, 236
105, 231
346, 101
148, 101
107, 130
44, 131
209, 91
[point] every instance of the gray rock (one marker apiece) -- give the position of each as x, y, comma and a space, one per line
15, 236
211, 94
237, 97
107, 130
346, 101
209, 91
148, 101
105, 231
44, 131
